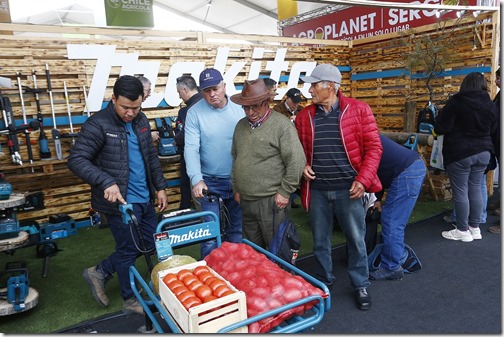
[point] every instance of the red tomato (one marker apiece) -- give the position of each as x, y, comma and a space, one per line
182, 273
203, 276
169, 278
175, 284
185, 294
199, 269
210, 280
178, 290
195, 285
227, 292
209, 298
220, 290
191, 302
215, 283
203, 292
188, 279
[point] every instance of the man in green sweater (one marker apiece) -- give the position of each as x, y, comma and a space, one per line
268, 162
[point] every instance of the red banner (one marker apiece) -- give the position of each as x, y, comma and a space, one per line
360, 22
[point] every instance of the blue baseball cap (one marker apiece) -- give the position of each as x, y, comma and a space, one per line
209, 78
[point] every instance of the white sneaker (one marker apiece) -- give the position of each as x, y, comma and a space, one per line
475, 232
455, 234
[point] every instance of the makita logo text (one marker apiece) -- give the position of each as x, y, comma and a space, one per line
191, 235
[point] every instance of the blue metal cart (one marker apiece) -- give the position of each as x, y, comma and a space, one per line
182, 236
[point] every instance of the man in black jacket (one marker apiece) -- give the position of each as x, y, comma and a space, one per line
188, 92
115, 154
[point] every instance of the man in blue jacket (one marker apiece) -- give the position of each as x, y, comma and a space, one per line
209, 130
115, 154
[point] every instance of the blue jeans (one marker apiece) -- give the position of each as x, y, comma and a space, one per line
465, 180
484, 196
401, 198
126, 240
324, 205
233, 232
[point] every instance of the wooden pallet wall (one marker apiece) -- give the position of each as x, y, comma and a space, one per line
388, 94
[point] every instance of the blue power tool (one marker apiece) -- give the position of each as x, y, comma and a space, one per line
18, 285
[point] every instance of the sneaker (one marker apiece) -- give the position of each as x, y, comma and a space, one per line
385, 274
448, 219
132, 306
494, 229
455, 234
96, 282
475, 232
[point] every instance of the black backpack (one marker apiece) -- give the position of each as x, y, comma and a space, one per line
286, 242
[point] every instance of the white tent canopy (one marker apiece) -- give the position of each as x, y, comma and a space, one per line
226, 16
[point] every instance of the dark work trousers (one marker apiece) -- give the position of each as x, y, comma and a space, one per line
127, 244
185, 185
261, 218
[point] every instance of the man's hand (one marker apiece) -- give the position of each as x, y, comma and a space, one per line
281, 201
357, 190
237, 197
113, 194
308, 173
197, 189
162, 200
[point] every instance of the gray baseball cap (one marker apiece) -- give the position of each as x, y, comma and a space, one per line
323, 72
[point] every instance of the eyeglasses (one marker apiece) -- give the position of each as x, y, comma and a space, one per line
255, 108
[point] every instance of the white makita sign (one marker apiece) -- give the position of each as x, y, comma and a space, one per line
106, 58
191, 235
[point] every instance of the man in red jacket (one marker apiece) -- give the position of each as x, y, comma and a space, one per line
343, 150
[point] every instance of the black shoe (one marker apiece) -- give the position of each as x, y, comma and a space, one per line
363, 299
294, 205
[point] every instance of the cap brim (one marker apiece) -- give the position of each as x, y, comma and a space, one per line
209, 85
296, 99
309, 79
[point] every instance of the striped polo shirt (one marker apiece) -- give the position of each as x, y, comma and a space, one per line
330, 163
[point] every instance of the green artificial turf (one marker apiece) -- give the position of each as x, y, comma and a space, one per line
65, 299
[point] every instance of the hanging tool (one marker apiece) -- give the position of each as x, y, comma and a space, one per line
72, 133
33, 125
56, 135
45, 153
27, 132
12, 140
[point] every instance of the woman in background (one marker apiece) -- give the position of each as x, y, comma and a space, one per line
467, 122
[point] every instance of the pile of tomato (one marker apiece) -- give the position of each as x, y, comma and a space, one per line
195, 287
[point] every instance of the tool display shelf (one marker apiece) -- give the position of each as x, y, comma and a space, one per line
153, 302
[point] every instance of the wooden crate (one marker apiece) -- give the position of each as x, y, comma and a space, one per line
207, 317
